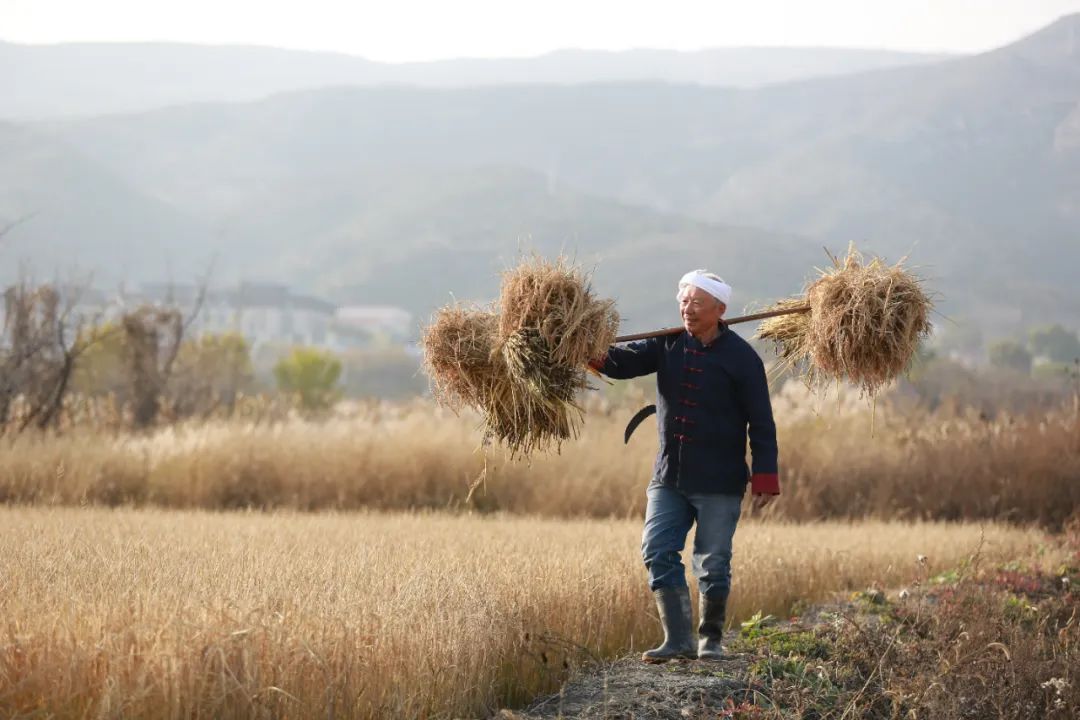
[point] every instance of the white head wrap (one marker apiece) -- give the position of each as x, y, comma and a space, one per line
708, 282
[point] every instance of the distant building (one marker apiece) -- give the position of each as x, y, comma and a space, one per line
264, 313
381, 320
272, 314
267, 313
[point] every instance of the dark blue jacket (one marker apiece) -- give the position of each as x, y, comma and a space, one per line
708, 398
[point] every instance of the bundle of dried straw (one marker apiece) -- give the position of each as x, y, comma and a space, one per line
864, 324
522, 363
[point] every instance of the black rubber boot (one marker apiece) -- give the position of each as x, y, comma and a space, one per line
676, 616
711, 627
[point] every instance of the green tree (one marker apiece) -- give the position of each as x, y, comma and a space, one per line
102, 368
311, 374
1010, 354
211, 370
389, 373
1056, 343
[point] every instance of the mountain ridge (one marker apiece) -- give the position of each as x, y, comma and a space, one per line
66, 79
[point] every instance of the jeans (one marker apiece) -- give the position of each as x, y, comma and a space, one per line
668, 518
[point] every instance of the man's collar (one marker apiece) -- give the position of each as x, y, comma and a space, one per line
697, 344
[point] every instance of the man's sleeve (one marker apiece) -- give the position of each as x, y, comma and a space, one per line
629, 360
754, 396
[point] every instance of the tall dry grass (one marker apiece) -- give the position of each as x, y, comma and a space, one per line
147, 613
836, 462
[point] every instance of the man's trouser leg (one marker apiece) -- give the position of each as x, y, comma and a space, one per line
668, 518
717, 516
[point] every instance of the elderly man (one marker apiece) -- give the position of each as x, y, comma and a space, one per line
711, 393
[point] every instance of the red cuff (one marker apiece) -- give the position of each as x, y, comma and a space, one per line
597, 364
765, 483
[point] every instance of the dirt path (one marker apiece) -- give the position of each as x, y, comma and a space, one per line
630, 688
730, 688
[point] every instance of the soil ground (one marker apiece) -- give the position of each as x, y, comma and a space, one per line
629, 688
680, 689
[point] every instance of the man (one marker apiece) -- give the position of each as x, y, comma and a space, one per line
711, 393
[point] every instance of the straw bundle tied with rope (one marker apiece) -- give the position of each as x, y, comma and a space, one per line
522, 366
864, 325
458, 355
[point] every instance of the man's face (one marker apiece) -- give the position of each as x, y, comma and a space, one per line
700, 311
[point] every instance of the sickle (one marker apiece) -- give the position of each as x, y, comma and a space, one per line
639, 416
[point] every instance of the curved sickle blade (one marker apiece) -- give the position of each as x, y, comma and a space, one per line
639, 416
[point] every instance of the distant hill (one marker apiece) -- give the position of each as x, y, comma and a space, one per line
970, 166
76, 217
417, 239
40, 81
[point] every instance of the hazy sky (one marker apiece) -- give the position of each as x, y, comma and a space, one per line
400, 30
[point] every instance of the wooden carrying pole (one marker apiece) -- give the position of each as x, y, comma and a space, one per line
732, 321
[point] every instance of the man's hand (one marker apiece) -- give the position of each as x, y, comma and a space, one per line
762, 499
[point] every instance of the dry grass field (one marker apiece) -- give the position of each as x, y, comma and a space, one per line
168, 614
836, 462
